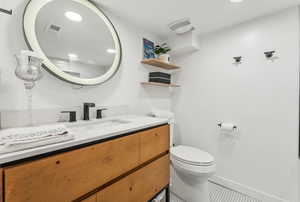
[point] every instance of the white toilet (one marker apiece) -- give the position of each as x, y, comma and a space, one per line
190, 167
190, 170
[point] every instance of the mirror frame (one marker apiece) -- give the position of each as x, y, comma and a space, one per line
29, 18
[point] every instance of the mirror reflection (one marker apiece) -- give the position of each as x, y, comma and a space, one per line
75, 39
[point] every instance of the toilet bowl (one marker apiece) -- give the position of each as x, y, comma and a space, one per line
190, 167
190, 170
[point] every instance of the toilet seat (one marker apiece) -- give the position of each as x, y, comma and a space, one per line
191, 156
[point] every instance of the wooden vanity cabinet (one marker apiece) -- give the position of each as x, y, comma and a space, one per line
141, 185
68, 176
92, 198
1, 185
154, 142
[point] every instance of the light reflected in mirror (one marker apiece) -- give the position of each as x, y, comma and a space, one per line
75, 39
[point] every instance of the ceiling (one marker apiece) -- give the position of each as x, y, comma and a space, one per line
206, 15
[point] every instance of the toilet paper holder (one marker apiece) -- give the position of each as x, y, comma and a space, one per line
221, 123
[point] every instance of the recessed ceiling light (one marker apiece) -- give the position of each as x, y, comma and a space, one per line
73, 16
236, 1
110, 50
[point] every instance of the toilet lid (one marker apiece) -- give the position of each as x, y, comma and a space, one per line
192, 156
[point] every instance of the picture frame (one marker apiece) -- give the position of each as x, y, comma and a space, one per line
148, 48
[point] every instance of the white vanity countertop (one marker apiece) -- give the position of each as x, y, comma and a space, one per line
84, 135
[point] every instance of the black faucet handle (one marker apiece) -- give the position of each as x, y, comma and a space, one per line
89, 104
99, 113
72, 115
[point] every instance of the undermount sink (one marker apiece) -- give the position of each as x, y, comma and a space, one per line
96, 124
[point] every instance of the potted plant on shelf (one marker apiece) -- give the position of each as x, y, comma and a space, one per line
162, 52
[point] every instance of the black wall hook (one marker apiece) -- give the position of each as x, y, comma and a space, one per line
9, 12
238, 59
269, 54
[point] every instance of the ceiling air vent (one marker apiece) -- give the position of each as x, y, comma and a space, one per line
181, 26
55, 28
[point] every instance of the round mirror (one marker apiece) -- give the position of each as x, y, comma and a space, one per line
78, 42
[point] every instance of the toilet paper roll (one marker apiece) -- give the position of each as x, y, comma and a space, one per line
227, 127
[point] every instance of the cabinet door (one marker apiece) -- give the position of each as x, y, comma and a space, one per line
68, 176
140, 186
92, 198
154, 142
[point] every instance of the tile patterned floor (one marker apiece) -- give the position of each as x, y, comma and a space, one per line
174, 198
221, 194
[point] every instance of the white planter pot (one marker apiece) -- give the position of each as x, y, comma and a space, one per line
165, 58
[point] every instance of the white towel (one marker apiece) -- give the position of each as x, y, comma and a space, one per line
16, 139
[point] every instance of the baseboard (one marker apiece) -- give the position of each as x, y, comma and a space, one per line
264, 197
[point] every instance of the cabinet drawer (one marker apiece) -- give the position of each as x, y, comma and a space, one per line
67, 176
154, 142
92, 198
140, 186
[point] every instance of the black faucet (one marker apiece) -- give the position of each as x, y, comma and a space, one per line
86, 110
72, 115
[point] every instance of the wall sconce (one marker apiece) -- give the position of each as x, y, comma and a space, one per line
237, 60
28, 69
9, 12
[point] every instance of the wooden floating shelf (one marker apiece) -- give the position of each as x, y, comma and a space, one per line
159, 84
160, 64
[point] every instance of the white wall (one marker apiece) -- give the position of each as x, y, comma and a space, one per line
123, 89
260, 96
